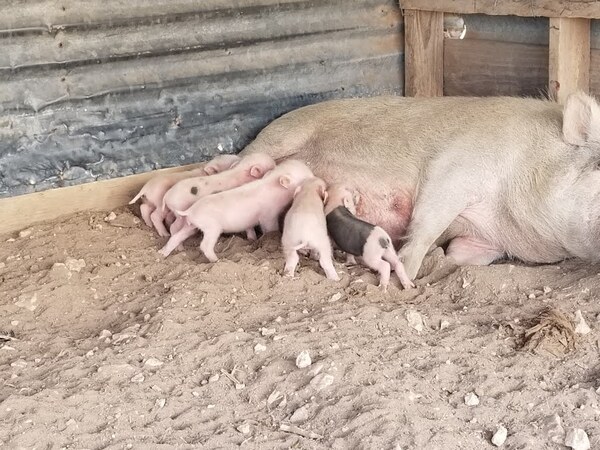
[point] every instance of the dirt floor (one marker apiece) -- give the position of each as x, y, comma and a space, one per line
104, 344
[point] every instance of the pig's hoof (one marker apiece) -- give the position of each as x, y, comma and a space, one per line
164, 234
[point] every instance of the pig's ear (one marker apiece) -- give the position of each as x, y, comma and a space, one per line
355, 197
285, 181
325, 197
581, 119
296, 191
210, 169
256, 172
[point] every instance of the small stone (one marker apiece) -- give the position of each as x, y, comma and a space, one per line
2, 265
303, 360
19, 364
111, 216
160, 403
244, 428
499, 436
322, 381
105, 334
14, 323
553, 428
25, 233
213, 378
444, 324
300, 415
204, 382
531, 296
153, 363
74, 265
471, 399
90, 353
148, 278
279, 319
146, 317
547, 289
195, 394
414, 320
581, 327
267, 331
139, 378
335, 297
276, 399
27, 302
577, 439
258, 348
239, 386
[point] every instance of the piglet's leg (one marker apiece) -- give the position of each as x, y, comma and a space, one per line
327, 264
177, 225
291, 261
170, 218
390, 256
176, 239
251, 234
146, 210
158, 221
350, 260
373, 260
209, 240
269, 224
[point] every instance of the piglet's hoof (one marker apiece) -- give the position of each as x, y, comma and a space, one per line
163, 252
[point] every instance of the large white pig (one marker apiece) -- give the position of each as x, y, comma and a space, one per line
494, 176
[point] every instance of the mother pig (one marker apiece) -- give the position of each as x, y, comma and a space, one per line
494, 176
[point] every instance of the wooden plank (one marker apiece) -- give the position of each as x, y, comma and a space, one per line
424, 53
480, 67
23, 211
525, 8
569, 61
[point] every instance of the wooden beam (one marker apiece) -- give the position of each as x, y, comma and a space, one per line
22, 211
524, 8
424, 53
569, 62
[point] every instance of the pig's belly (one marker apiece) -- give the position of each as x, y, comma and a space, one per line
392, 211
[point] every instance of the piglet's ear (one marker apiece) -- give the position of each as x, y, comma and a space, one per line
285, 181
355, 198
581, 119
325, 197
256, 172
296, 191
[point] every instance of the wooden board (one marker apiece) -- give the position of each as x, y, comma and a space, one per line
22, 211
569, 62
525, 8
424, 49
480, 67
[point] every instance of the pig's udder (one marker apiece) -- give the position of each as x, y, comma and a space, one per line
392, 212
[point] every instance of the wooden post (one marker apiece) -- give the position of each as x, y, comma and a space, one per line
424, 53
569, 65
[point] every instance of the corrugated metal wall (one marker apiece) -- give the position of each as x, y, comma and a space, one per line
94, 89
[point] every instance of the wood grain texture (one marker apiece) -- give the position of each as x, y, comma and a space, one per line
480, 67
424, 53
569, 57
527, 8
23, 211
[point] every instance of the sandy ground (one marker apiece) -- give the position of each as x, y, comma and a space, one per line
135, 351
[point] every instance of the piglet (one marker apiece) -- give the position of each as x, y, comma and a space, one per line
154, 190
305, 227
359, 238
181, 196
242, 208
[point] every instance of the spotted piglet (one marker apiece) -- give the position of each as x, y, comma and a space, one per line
305, 227
359, 238
153, 192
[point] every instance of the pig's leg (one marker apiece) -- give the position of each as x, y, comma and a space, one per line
176, 239
251, 234
350, 260
268, 224
390, 256
372, 259
157, 219
145, 211
472, 251
209, 240
170, 218
291, 261
326, 263
178, 224
434, 212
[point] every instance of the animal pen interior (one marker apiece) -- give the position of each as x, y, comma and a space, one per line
105, 345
